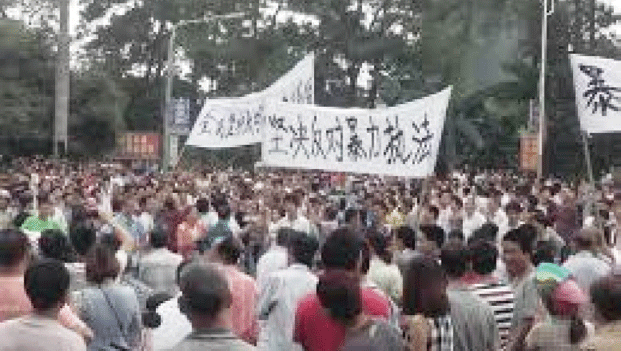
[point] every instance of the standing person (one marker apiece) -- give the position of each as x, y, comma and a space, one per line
110, 309
340, 294
282, 292
564, 329
47, 285
482, 282
275, 258
585, 265
244, 292
495, 213
206, 301
145, 218
473, 219
473, 320
293, 219
34, 225
606, 296
405, 238
6, 217
128, 220
158, 268
14, 301
430, 240
382, 271
427, 322
188, 233
314, 330
517, 248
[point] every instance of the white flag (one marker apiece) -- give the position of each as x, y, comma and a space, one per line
400, 141
224, 123
598, 93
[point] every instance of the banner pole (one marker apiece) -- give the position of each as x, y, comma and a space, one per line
587, 156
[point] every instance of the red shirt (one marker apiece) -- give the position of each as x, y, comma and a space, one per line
316, 331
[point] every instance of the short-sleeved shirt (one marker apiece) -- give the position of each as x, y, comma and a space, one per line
32, 333
526, 300
315, 330
473, 320
374, 335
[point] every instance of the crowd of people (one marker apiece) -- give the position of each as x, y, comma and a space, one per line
109, 257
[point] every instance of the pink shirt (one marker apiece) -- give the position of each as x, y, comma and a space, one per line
14, 303
243, 308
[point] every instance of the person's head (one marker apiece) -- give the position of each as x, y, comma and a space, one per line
424, 290
130, 207
586, 239
302, 248
101, 264
454, 260
352, 217
205, 295
83, 238
282, 236
379, 244
455, 237
606, 297
487, 232
406, 237
470, 205
202, 205
158, 238
342, 250
53, 244
46, 208
517, 248
429, 215
430, 239
291, 204
14, 248
47, 283
229, 250
545, 252
224, 211
514, 212
483, 257
339, 293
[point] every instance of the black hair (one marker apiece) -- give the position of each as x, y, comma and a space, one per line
434, 210
454, 260
342, 249
204, 290
282, 236
46, 283
13, 247
54, 244
158, 238
82, 237
408, 236
606, 296
545, 251
350, 215
522, 239
302, 247
229, 250
339, 293
379, 243
456, 234
487, 232
433, 233
483, 256
202, 205
421, 273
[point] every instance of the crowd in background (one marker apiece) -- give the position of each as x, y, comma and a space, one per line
109, 257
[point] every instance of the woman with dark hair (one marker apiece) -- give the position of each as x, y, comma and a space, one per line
426, 307
382, 271
339, 293
110, 309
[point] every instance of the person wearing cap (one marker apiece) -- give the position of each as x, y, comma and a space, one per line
206, 300
563, 329
586, 265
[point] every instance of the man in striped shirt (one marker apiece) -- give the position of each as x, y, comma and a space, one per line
481, 281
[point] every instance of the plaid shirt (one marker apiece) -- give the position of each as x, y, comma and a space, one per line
436, 333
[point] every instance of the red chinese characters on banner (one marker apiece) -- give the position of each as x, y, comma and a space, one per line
139, 145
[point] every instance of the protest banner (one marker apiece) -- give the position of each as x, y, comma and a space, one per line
598, 93
398, 141
225, 123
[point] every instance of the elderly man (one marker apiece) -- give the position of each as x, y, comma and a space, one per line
206, 301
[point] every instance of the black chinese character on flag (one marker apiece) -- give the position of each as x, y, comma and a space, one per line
599, 95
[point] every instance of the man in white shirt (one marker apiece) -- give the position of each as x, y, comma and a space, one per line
584, 265
275, 259
158, 268
496, 214
473, 219
279, 297
293, 219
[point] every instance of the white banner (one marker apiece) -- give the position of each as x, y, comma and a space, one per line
598, 93
224, 123
398, 141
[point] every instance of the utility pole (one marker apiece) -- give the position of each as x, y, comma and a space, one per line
542, 85
61, 113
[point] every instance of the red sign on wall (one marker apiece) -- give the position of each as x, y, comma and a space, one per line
139, 145
529, 152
